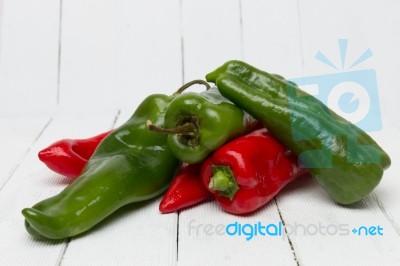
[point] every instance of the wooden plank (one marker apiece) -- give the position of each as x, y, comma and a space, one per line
362, 35
1, 22
324, 229
95, 70
29, 55
271, 36
203, 238
17, 136
115, 54
211, 35
137, 232
304, 203
384, 41
125, 55
387, 194
135, 62
32, 182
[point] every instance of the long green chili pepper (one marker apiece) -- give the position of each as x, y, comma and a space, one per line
131, 164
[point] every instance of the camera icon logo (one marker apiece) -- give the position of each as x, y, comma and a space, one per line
351, 94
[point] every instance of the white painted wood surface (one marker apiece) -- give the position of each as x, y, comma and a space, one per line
76, 68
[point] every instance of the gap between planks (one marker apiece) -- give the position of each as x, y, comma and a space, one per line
59, 53
183, 82
386, 213
182, 40
286, 232
25, 154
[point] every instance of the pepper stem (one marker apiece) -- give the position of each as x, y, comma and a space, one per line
188, 130
191, 83
223, 181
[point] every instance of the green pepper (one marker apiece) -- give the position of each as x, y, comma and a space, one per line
199, 123
130, 165
344, 159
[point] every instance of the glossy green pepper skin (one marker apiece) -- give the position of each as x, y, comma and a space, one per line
345, 160
211, 121
130, 165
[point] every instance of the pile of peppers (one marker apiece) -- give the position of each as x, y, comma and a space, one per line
234, 142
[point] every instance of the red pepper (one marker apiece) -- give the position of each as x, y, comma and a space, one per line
247, 172
68, 157
185, 190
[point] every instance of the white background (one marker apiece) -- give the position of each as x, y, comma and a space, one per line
75, 68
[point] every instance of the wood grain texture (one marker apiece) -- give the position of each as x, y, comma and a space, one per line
322, 229
386, 194
17, 141
29, 55
135, 234
1, 22
211, 35
322, 25
363, 33
271, 36
203, 238
111, 55
115, 54
32, 182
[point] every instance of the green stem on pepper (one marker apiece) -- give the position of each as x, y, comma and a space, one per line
188, 130
191, 83
223, 181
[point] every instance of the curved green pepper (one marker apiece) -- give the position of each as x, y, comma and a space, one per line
345, 160
131, 164
199, 123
